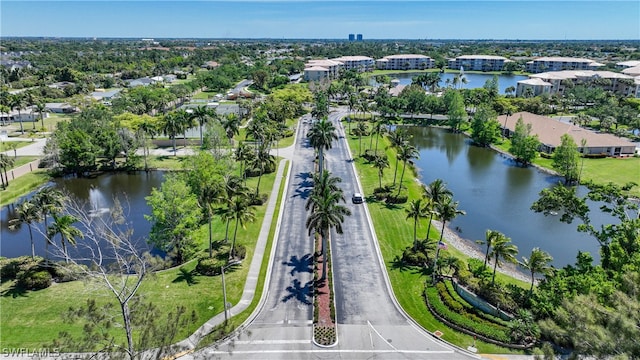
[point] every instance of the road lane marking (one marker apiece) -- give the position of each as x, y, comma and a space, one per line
270, 342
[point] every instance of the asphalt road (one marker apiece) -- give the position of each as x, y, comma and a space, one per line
370, 325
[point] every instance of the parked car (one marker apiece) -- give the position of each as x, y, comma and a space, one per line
357, 198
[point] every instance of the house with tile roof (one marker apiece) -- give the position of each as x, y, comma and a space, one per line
550, 132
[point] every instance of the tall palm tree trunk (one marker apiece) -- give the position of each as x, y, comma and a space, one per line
426, 237
233, 243
404, 165
324, 253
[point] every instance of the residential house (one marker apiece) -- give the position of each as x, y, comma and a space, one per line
478, 62
550, 131
60, 108
105, 96
405, 62
30, 114
145, 81
558, 63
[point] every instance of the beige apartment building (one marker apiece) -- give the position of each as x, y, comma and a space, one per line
556, 82
478, 62
405, 62
557, 63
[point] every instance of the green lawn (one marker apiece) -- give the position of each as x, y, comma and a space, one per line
395, 233
35, 317
22, 186
617, 170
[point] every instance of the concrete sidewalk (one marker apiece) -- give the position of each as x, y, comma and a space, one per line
256, 262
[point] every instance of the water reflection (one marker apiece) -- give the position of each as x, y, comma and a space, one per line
497, 194
98, 194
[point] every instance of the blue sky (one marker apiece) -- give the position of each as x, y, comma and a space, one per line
291, 19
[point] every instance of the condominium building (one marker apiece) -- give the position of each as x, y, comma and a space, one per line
558, 81
358, 63
318, 70
556, 63
628, 64
405, 62
478, 62
532, 87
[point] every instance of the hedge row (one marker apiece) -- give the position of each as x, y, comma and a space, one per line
464, 320
470, 308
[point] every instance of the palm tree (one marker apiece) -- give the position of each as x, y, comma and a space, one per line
380, 163
27, 213
490, 237
243, 213
322, 184
360, 131
185, 121
397, 138
326, 214
436, 191
538, 262
379, 128
231, 125
243, 154
262, 161
48, 200
6, 162
63, 225
18, 102
233, 187
502, 249
416, 211
447, 210
171, 126
41, 108
405, 153
203, 115
321, 136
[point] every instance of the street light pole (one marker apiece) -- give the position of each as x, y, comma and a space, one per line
224, 296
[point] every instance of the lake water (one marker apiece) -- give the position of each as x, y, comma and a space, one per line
474, 80
98, 193
497, 194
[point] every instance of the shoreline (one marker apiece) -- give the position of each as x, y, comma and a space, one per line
468, 248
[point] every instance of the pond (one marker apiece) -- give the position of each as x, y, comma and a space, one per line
473, 80
497, 194
99, 194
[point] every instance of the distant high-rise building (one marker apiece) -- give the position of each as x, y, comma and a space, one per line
359, 37
352, 37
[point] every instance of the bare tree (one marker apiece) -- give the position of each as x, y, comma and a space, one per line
109, 255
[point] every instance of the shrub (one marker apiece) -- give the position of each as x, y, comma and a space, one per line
465, 320
210, 266
239, 252
258, 200
63, 272
401, 199
34, 279
411, 257
10, 268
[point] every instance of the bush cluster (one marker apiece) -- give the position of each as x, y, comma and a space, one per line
443, 304
34, 279
472, 309
400, 199
63, 272
210, 266
10, 268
